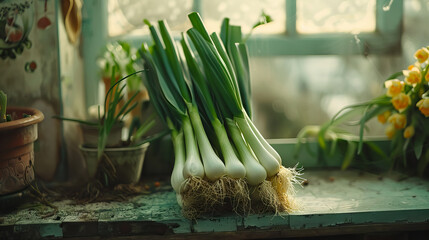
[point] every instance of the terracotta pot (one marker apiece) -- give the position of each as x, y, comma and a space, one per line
107, 85
17, 149
140, 98
128, 162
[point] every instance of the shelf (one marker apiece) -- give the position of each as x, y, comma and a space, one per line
334, 202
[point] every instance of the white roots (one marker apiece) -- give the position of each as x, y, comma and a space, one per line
200, 196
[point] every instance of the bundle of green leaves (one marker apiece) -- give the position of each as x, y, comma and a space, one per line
200, 86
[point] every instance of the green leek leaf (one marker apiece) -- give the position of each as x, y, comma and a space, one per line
419, 140
349, 155
217, 74
395, 75
200, 83
173, 59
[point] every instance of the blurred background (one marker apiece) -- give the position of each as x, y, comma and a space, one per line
313, 59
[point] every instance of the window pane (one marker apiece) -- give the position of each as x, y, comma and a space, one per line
244, 13
315, 16
126, 16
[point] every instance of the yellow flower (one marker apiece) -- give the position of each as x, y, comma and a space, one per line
423, 106
383, 117
409, 132
413, 76
427, 76
401, 101
398, 121
390, 131
422, 55
394, 87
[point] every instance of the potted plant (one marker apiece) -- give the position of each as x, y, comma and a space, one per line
18, 132
124, 158
119, 57
404, 109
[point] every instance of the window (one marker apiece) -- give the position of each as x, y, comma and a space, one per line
347, 16
125, 17
313, 59
300, 27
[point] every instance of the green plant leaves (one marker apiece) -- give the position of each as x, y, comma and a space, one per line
395, 75
217, 74
419, 140
423, 163
349, 155
3, 105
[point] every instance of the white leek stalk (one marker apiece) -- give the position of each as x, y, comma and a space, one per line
177, 178
255, 172
270, 163
213, 166
193, 165
263, 141
234, 168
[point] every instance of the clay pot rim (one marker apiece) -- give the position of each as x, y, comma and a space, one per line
36, 117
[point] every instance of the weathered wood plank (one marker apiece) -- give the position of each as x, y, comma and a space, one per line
334, 202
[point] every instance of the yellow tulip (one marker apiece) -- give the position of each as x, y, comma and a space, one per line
409, 132
390, 131
394, 87
422, 55
401, 101
423, 106
382, 118
397, 120
413, 76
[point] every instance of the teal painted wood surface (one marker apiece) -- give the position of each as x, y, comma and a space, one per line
332, 199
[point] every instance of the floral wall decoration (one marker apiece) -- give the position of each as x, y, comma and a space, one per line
39, 70
16, 22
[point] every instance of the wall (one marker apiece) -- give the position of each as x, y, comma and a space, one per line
72, 96
47, 76
38, 88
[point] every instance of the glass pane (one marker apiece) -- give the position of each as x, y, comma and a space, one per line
126, 16
291, 92
315, 16
245, 13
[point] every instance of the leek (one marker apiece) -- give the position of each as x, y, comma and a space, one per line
226, 86
255, 173
201, 89
177, 178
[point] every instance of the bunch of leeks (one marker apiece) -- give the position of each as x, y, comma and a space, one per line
200, 87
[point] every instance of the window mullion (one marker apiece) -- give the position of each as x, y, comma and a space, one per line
197, 6
95, 32
389, 16
291, 17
